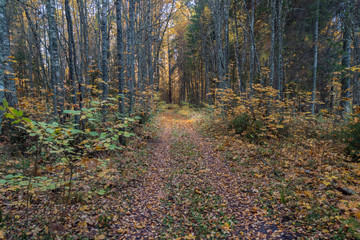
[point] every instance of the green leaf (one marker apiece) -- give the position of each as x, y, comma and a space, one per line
50, 130
3, 181
76, 131
94, 134
52, 186
54, 124
9, 115
42, 178
23, 183
15, 122
101, 192
74, 112
26, 119
127, 134
16, 112
5, 103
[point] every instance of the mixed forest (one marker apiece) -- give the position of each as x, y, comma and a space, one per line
179, 119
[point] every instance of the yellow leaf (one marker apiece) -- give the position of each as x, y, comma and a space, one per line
226, 227
190, 236
357, 215
326, 183
100, 237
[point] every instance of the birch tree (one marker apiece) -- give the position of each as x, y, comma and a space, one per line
54, 55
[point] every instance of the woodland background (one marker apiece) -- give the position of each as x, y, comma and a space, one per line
272, 82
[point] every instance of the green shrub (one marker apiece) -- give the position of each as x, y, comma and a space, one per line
241, 123
351, 137
248, 127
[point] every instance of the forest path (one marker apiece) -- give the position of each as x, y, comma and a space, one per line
189, 192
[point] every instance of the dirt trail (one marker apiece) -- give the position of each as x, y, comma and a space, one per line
189, 192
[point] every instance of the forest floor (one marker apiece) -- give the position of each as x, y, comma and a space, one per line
190, 192
174, 181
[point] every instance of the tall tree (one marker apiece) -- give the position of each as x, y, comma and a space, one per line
54, 55
120, 56
316, 43
85, 61
273, 43
7, 75
131, 54
169, 70
252, 46
280, 33
72, 58
216, 9
104, 50
346, 60
3, 27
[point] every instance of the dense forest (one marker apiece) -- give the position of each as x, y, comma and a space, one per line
179, 119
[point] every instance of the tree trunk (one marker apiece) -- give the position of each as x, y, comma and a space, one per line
131, 54
227, 44
149, 44
72, 59
216, 5
346, 59
280, 37
316, 42
3, 29
203, 52
237, 54
104, 50
252, 47
170, 82
120, 56
54, 54
84, 35
272, 47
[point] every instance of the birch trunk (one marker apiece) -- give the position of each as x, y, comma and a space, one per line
54, 54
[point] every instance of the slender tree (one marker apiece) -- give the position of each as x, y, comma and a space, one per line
72, 58
346, 61
131, 54
273, 43
3, 23
104, 50
54, 54
316, 42
120, 56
